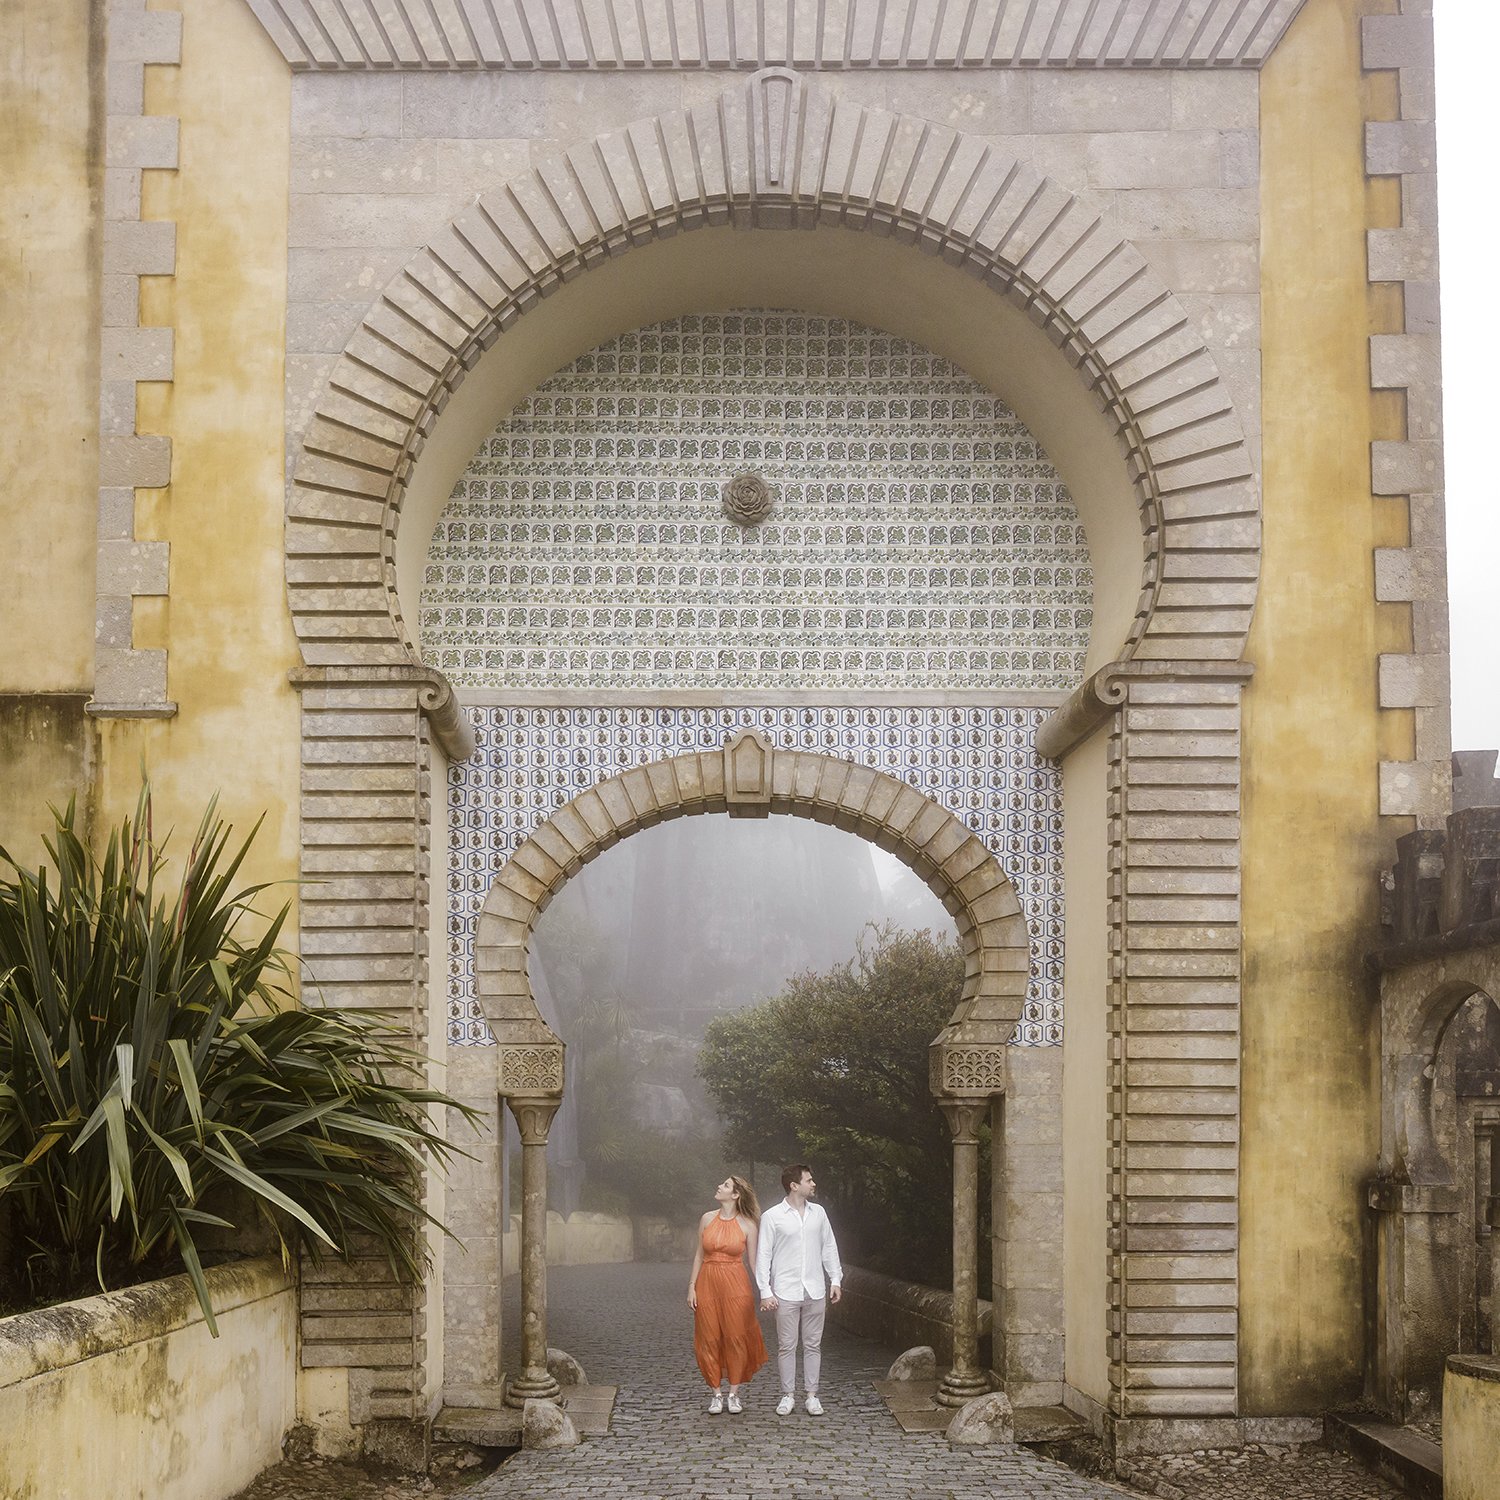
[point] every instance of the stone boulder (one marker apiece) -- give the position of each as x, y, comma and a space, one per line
985, 1419
546, 1425
916, 1364
564, 1369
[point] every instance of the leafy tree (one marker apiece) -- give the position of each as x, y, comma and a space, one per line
834, 1070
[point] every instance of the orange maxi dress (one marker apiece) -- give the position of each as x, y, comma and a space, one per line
726, 1334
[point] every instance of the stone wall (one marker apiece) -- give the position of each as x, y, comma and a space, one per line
903, 1314
127, 1393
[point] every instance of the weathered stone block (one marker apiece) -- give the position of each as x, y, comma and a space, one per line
544, 1425
985, 1419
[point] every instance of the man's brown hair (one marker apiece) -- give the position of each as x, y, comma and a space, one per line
793, 1174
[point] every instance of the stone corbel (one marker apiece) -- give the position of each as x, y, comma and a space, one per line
1091, 704
450, 724
1386, 1196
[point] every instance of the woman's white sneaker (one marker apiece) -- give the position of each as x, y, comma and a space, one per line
734, 1404
785, 1405
814, 1406
716, 1404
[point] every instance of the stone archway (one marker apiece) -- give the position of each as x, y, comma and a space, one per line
778, 153
775, 153
752, 778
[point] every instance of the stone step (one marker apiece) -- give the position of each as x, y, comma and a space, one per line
1406, 1459
1048, 1424
478, 1426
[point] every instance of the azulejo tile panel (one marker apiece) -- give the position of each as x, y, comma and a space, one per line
978, 762
917, 534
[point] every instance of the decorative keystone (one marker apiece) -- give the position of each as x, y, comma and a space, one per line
748, 759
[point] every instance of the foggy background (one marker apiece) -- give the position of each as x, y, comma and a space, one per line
647, 944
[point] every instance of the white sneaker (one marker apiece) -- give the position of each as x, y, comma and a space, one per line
814, 1406
735, 1407
785, 1405
716, 1404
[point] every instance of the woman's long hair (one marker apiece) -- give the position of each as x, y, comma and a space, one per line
747, 1204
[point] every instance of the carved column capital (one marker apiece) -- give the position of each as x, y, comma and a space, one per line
964, 1117
534, 1118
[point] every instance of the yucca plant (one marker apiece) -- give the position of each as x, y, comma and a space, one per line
157, 1081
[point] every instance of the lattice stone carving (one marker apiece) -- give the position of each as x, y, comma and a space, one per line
968, 1069
531, 1069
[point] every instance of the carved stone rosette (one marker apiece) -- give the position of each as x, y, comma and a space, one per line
748, 500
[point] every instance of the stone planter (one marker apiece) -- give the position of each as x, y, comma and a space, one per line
127, 1393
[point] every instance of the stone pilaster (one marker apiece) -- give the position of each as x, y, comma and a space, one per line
131, 682
1174, 1055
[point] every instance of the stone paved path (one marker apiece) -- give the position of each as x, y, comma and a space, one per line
630, 1326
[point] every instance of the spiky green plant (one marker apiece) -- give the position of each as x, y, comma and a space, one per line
157, 1081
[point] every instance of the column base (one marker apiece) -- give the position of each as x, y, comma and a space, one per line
958, 1387
531, 1385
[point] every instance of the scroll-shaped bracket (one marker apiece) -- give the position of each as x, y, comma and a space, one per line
748, 760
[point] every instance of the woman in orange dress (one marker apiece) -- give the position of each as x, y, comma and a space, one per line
726, 1334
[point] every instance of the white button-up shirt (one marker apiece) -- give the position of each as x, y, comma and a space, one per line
795, 1251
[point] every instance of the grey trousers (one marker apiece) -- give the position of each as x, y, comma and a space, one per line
802, 1320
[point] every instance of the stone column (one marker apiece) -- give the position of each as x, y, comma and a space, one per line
534, 1117
965, 1380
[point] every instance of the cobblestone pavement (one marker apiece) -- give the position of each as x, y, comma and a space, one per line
630, 1326
1257, 1472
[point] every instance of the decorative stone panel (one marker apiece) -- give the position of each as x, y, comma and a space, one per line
977, 761
131, 682
1175, 941
1409, 361
605, 34
1131, 340
921, 536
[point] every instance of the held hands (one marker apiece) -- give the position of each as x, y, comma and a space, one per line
769, 1304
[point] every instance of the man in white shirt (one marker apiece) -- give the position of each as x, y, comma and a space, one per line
796, 1250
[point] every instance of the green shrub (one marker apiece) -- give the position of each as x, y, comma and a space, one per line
157, 1081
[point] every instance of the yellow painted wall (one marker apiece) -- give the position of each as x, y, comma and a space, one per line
1312, 836
131, 1394
1471, 1429
225, 624
52, 175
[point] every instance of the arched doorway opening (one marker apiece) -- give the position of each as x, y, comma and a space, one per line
750, 777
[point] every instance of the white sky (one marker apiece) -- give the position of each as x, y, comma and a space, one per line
1468, 40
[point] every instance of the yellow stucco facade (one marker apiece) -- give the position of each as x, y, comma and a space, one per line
1313, 739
